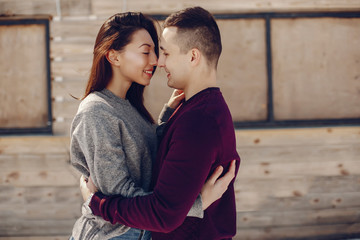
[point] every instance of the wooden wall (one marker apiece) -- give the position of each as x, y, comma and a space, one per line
293, 183
319, 52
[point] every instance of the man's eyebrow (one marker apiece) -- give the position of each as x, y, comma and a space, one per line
162, 48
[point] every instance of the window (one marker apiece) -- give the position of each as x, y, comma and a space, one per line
25, 100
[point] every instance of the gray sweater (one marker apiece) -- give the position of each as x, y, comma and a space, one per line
115, 145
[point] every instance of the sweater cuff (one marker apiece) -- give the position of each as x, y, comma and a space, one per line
95, 203
165, 114
196, 209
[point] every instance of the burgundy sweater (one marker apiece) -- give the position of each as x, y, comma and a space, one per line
197, 138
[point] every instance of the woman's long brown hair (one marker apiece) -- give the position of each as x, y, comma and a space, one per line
115, 34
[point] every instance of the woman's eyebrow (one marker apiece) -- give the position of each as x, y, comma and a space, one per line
145, 44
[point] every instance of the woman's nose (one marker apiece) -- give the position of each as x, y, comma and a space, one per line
153, 60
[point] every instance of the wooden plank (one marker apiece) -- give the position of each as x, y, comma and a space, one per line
34, 144
298, 218
109, 7
65, 109
71, 69
285, 137
67, 87
76, 30
65, 91
324, 168
62, 127
74, 51
30, 7
39, 195
40, 177
311, 184
261, 202
319, 232
298, 153
318, 62
33, 227
35, 211
74, 8
25, 162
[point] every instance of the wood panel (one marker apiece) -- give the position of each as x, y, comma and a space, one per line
298, 183
109, 7
31, 7
304, 194
293, 183
39, 191
317, 76
81, 30
23, 107
34, 144
319, 232
242, 73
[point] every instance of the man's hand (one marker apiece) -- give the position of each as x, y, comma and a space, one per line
87, 187
175, 99
85, 191
91, 186
214, 188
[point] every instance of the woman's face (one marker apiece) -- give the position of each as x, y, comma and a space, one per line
138, 58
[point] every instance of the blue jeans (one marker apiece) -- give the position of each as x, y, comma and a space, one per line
132, 234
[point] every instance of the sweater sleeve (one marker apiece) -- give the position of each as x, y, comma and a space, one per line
95, 138
165, 114
193, 149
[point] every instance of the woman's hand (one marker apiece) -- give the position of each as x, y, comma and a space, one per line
87, 187
214, 188
176, 98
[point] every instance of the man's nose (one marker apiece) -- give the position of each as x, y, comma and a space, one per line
161, 61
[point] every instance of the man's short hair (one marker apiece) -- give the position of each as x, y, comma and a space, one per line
197, 28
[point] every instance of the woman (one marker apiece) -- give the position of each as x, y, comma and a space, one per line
113, 136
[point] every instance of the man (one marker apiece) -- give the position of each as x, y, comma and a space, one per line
196, 140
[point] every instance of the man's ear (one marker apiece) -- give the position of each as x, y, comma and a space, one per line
195, 56
113, 57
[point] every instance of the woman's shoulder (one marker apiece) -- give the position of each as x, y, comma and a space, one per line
94, 102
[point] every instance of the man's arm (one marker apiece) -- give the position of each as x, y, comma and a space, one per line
212, 190
193, 150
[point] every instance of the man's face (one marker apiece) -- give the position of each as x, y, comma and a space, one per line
175, 63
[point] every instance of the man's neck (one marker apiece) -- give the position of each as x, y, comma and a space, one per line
199, 83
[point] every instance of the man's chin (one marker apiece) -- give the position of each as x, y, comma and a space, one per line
170, 85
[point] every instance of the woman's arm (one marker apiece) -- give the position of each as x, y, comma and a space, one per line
93, 141
175, 99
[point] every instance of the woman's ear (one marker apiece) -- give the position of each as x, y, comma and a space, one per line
195, 56
113, 57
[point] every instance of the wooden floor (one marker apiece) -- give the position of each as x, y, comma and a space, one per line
301, 183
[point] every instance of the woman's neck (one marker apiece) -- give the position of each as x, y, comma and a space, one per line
118, 86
